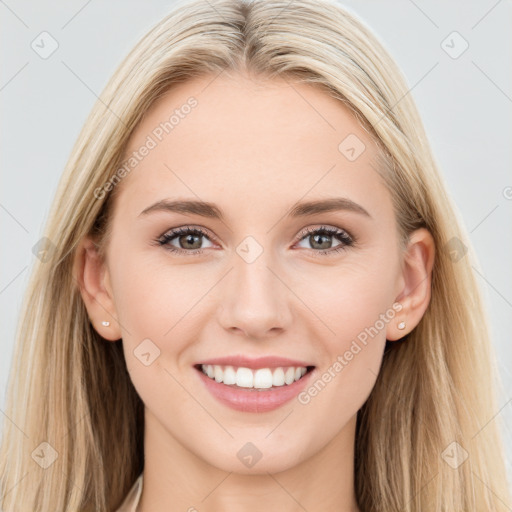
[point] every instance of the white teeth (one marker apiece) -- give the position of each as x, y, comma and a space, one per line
244, 377
229, 375
289, 375
278, 377
262, 378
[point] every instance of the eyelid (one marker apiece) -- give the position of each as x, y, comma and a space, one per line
189, 228
331, 230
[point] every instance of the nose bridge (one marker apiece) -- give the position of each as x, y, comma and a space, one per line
253, 299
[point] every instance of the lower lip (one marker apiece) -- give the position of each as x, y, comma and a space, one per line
253, 400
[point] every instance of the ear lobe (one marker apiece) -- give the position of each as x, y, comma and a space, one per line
93, 278
416, 279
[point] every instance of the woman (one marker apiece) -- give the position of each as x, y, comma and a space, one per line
253, 295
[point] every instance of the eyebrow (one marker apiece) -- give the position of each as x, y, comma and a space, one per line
304, 209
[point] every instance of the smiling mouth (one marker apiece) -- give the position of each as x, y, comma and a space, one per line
261, 379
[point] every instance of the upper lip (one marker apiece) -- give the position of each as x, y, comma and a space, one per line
254, 363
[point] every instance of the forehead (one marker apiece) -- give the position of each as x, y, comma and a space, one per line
232, 137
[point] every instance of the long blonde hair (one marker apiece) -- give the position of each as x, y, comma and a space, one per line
69, 388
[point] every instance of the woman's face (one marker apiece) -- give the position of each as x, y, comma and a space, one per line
263, 280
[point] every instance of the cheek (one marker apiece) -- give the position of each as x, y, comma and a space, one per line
359, 313
354, 303
350, 300
161, 308
156, 304
153, 295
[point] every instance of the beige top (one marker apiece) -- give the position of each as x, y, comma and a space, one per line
133, 497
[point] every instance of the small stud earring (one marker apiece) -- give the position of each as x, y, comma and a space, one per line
105, 323
401, 325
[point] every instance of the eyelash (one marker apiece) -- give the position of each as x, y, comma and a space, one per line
342, 235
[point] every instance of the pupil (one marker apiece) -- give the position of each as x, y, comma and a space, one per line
190, 239
326, 237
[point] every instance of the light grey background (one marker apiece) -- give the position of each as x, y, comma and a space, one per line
466, 104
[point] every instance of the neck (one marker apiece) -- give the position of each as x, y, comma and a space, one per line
175, 479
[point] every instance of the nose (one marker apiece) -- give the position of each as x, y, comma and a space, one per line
254, 301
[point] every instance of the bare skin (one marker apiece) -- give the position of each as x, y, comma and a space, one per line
254, 150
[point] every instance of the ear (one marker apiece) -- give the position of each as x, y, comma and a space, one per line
93, 278
414, 283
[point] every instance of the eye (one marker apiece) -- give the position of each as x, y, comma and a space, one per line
187, 239
320, 239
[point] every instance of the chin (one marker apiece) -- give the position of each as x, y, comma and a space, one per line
257, 457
